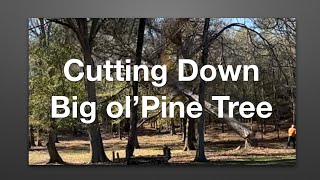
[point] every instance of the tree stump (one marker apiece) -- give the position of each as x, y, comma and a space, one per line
167, 152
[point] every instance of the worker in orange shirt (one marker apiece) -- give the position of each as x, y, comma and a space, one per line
292, 136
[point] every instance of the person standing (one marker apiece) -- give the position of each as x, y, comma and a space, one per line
292, 136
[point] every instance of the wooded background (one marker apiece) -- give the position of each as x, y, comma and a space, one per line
269, 43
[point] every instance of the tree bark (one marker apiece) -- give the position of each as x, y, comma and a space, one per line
96, 145
119, 131
86, 37
106, 125
75, 131
56, 140
38, 138
43, 37
136, 143
200, 154
172, 129
31, 137
190, 135
133, 139
53, 153
184, 132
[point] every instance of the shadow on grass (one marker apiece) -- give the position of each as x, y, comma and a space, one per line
222, 145
242, 162
274, 143
257, 162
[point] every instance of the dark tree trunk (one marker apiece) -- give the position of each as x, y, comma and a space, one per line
75, 131
31, 137
293, 106
261, 128
172, 129
56, 140
86, 37
200, 154
184, 125
133, 139
126, 125
275, 97
222, 127
43, 37
119, 131
224, 92
106, 125
96, 145
53, 153
38, 138
264, 130
136, 143
255, 116
190, 135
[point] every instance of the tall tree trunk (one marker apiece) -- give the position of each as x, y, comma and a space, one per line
224, 92
126, 125
261, 129
96, 145
38, 138
200, 154
255, 103
136, 143
80, 26
31, 137
75, 131
133, 139
106, 125
172, 129
43, 37
119, 131
292, 92
222, 126
56, 140
190, 135
53, 153
276, 109
184, 132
